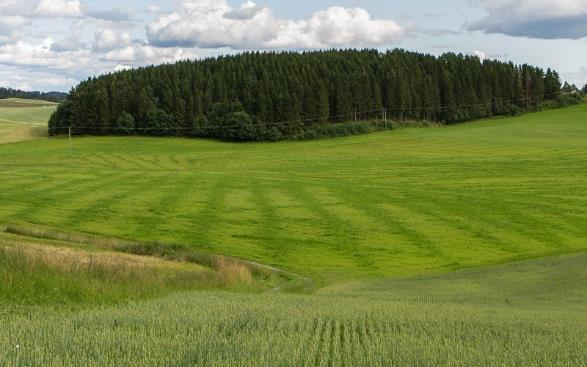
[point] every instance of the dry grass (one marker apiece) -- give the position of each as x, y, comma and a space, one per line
233, 272
73, 260
44, 233
230, 271
95, 264
14, 133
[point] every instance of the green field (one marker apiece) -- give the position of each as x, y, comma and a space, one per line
462, 245
403, 202
526, 314
23, 119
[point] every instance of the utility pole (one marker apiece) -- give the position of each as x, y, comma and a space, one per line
385, 117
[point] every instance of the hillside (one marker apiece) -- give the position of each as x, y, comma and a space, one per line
296, 96
23, 103
404, 202
24, 119
55, 97
530, 313
403, 247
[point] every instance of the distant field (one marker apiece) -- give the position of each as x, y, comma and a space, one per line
404, 202
19, 103
524, 314
23, 119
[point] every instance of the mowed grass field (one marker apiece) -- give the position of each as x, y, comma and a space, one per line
23, 119
403, 202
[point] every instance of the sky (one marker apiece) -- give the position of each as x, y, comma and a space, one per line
53, 44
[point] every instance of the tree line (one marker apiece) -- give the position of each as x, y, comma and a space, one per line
284, 95
45, 96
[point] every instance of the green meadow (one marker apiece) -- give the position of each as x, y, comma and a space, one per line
462, 245
397, 203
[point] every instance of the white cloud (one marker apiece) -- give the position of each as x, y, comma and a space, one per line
121, 67
107, 40
67, 44
153, 9
42, 55
30, 80
15, 7
145, 54
480, 54
579, 78
213, 24
59, 9
546, 19
10, 24
112, 15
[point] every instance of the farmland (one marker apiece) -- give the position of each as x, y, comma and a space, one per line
22, 119
461, 245
402, 202
529, 314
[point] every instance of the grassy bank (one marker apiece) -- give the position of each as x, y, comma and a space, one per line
56, 272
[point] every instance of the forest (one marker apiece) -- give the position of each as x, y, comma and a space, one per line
268, 96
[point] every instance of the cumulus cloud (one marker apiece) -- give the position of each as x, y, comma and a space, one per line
480, 54
153, 9
43, 55
137, 54
67, 44
59, 9
112, 15
107, 40
23, 79
213, 24
544, 19
16, 7
10, 24
121, 67
67, 64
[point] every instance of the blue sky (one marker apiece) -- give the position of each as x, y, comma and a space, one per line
53, 44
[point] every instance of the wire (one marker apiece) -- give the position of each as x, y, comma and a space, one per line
379, 116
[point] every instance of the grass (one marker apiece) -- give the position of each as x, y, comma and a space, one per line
56, 273
530, 313
406, 234
398, 203
23, 119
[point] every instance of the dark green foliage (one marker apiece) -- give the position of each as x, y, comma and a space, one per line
340, 129
49, 96
274, 96
125, 123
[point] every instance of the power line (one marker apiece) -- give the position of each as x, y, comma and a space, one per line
379, 114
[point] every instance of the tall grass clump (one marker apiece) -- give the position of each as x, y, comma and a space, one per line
51, 276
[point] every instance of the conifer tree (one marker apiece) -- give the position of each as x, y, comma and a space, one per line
280, 95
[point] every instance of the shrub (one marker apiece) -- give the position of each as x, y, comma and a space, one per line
125, 124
